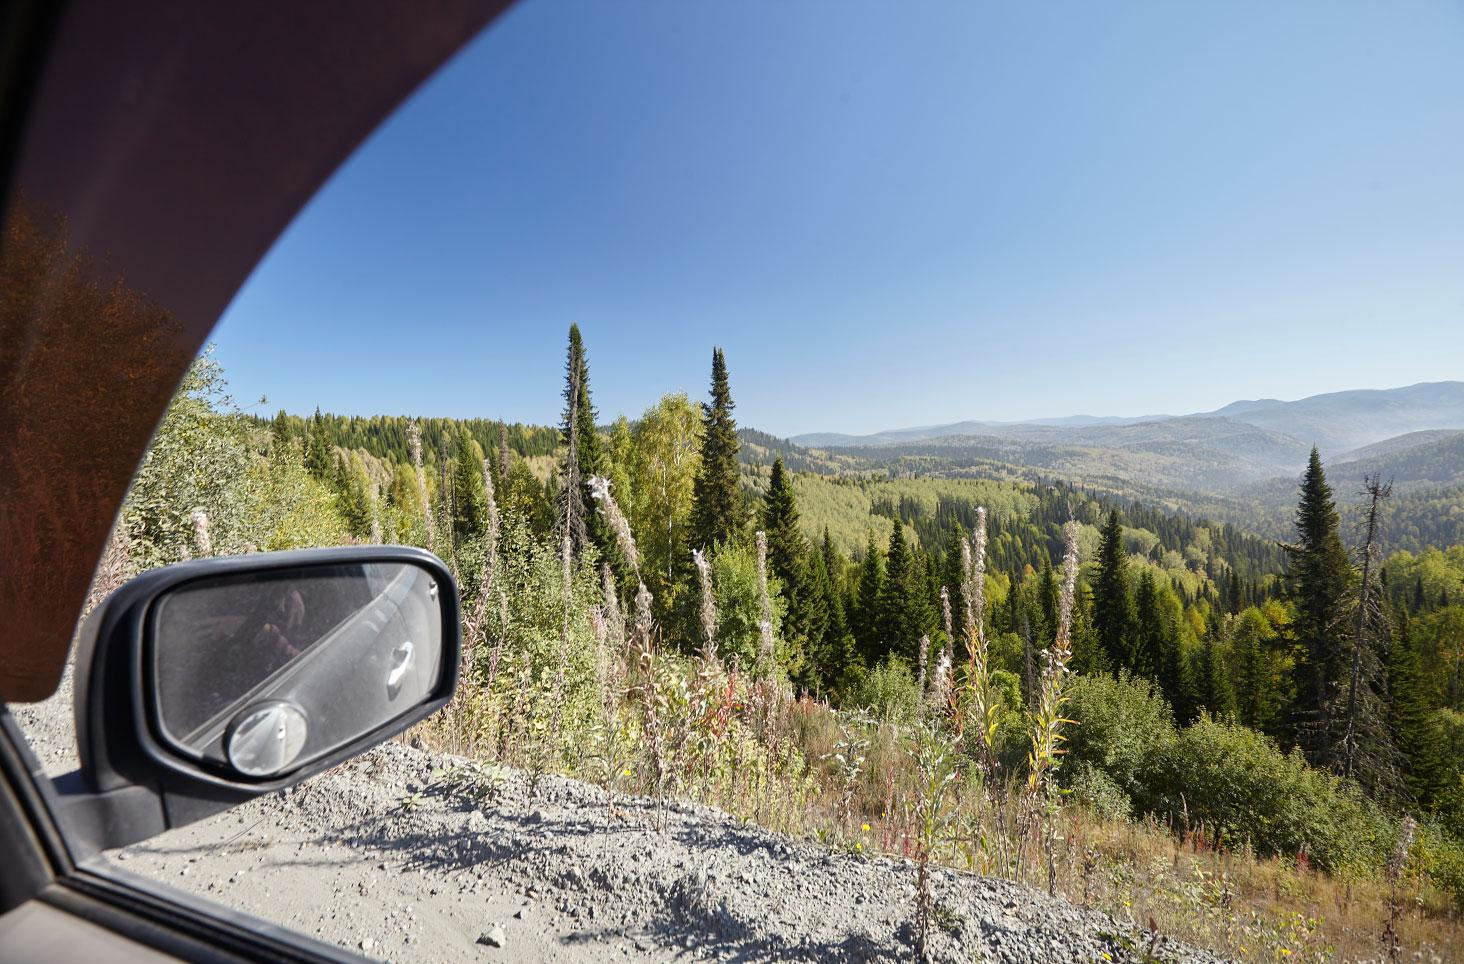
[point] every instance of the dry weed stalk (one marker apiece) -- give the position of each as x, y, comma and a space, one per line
708, 607
945, 622
487, 575
765, 624
1392, 943
1045, 754
922, 659
981, 699
414, 442
202, 543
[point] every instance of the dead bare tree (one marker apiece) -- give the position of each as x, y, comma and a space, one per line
1366, 619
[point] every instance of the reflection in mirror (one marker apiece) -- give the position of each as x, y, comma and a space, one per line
266, 671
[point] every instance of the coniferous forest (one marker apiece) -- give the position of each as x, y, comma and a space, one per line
1253, 744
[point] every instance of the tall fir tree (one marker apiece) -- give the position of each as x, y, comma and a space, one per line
954, 578
865, 613
588, 526
836, 624
717, 513
1415, 728
1113, 606
470, 493
826, 656
900, 620
318, 461
1212, 680
788, 553
1149, 633
1256, 700
1319, 579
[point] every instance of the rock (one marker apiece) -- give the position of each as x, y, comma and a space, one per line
367, 944
493, 936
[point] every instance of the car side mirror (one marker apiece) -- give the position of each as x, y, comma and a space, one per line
203, 684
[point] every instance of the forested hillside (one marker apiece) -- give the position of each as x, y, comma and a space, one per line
1070, 686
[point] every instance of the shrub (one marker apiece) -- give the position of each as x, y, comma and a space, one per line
1097, 791
1439, 855
739, 604
1121, 724
888, 692
1239, 784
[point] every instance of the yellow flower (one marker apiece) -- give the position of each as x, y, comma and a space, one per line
1285, 952
627, 771
859, 846
865, 828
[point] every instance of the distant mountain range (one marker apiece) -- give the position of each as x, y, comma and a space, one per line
1336, 422
1412, 432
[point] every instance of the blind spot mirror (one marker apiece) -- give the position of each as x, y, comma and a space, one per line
260, 673
266, 738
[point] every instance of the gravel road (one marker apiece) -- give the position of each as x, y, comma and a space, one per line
382, 857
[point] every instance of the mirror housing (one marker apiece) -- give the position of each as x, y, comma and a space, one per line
139, 777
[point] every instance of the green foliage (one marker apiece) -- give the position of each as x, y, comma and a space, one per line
1254, 670
1123, 725
717, 513
739, 605
292, 510
1242, 787
656, 461
788, 559
887, 692
1320, 578
1113, 604
199, 460
901, 615
469, 492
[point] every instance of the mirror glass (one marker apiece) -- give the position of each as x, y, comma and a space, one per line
265, 671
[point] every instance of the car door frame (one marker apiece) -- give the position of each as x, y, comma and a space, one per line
44, 866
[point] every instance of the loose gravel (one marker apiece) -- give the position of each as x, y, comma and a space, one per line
381, 857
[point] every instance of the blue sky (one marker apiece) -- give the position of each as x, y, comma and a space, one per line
888, 214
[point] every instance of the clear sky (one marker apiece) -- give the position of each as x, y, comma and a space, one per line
888, 214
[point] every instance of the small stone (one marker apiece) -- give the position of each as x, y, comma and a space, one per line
367, 944
493, 936
518, 914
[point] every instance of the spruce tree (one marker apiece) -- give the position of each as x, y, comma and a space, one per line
317, 450
1415, 728
1250, 659
788, 559
588, 526
1113, 607
825, 650
1319, 578
836, 623
865, 615
717, 501
953, 577
1213, 681
470, 495
1149, 632
898, 623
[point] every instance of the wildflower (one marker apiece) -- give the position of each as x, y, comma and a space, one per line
864, 827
